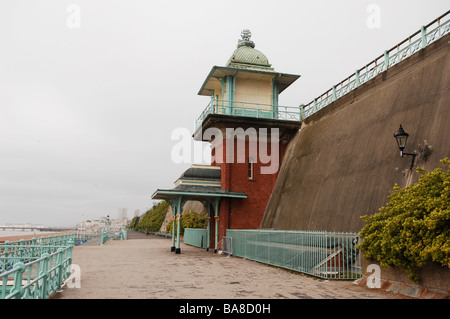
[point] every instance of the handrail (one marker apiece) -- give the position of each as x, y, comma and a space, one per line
43, 276
44, 262
330, 255
418, 40
249, 109
61, 239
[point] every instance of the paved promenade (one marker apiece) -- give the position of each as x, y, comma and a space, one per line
143, 267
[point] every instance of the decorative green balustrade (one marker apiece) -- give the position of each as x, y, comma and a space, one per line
103, 238
322, 254
428, 34
37, 268
83, 237
33, 271
55, 240
415, 42
123, 234
246, 109
196, 237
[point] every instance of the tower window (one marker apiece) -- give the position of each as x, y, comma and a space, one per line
251, 169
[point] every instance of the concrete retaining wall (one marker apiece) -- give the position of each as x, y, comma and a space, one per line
344, 161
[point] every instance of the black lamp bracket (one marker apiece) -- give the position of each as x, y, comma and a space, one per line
412, 160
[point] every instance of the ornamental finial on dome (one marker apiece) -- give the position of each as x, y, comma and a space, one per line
246, 35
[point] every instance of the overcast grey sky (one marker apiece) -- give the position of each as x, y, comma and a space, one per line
88, 105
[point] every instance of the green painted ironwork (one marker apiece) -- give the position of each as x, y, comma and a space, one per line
56, 240
246, 109
103, 238
322, 254
38, 267
83, 237
411, 45
123, 234
33, 271
196, 237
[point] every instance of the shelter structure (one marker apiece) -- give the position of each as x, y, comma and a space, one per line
200, 183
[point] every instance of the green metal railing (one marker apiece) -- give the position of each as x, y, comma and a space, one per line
33, 271
103, 238
83, 237
247, 109
123, 234
56, 240
37, 268
323, 254
195, 237
428, 34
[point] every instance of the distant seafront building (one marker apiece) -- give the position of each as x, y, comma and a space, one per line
122, 213
243, 112
98, 225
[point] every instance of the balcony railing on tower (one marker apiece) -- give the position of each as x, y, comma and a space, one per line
247, 109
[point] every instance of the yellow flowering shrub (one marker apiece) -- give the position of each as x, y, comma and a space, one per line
414, 226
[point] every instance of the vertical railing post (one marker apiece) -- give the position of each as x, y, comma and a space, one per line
17, 290
69, 258
44, 275
423, 32
357, 80
386, 60
59, 267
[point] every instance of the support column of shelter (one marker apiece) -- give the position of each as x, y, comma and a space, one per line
208, 227
173, 224
178, 203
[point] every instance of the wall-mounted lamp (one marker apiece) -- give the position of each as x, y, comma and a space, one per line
401, 136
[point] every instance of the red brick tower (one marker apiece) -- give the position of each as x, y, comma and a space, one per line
248, 131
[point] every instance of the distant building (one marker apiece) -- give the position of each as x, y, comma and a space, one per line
122, 213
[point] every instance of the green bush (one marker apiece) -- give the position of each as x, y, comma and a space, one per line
153, 219
132, 223
414, 227
190, 219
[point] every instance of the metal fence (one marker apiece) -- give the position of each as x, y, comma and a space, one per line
428, 34
33, 271
195, 237
37, 268
323, 254
84, 237
248, 109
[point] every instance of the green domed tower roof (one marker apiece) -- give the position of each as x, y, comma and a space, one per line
246, 56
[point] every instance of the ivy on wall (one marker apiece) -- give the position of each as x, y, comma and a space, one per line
153, 218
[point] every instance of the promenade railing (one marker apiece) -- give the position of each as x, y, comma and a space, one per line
33, 271
328, 255
84, 236
36, 268
428, 34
